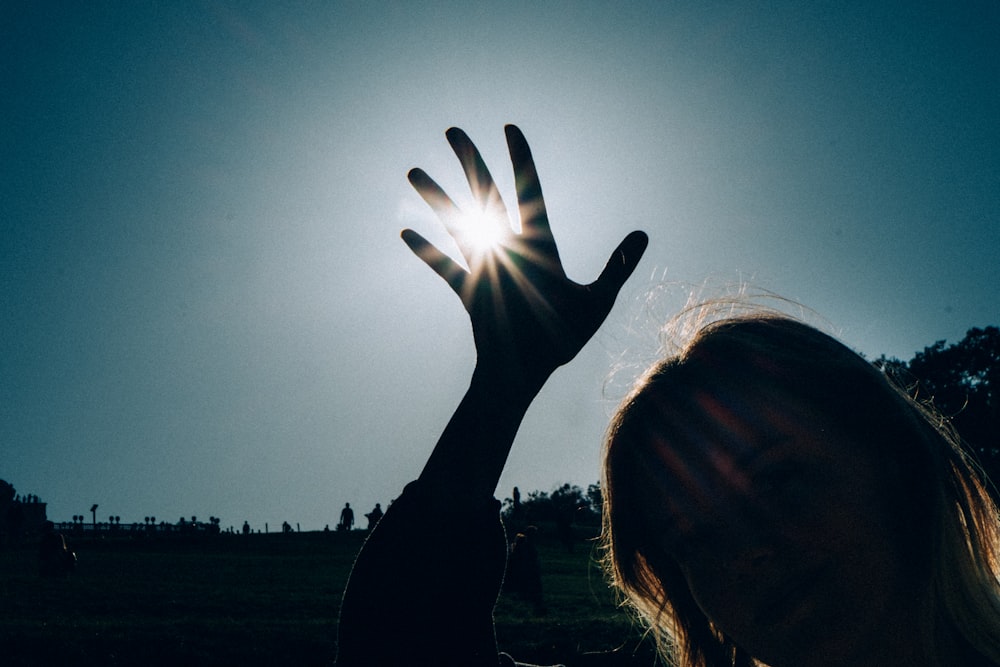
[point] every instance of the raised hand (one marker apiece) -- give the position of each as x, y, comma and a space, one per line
528, 318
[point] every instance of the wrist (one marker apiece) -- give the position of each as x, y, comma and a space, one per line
478, 438
509, 382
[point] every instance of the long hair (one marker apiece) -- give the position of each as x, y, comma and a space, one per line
950, 524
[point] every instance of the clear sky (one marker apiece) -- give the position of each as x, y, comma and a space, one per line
206, 306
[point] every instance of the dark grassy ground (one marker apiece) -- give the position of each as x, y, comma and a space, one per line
263, 600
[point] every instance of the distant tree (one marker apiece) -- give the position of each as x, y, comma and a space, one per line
962, 381
567, 499
573, 501
595, 498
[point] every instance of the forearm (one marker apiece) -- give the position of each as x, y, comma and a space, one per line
471, 453
441, 541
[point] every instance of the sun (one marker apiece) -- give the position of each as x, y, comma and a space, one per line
483, 231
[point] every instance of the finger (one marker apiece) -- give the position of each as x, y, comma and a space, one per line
435, 197
455, 221
447, 211
442, 265
621, 264
530, 204
484, 189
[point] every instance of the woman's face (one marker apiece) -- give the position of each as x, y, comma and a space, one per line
783, 530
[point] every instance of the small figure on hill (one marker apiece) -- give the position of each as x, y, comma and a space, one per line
246, 527
516, 520
524, 570
54, 558
286, 527
374, 516
346, 518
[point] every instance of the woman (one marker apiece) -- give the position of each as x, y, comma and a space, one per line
711, 528
769, 494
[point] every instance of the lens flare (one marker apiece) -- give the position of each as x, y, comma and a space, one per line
484, 231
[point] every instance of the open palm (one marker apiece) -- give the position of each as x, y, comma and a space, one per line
527, 317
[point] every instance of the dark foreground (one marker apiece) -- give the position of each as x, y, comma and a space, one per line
265, 600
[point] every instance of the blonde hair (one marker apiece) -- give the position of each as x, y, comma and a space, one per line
952, 524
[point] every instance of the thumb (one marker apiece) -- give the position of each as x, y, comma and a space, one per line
621, 264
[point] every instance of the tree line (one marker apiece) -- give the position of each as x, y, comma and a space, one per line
962, 382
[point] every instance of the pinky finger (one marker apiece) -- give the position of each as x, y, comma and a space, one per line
442, 265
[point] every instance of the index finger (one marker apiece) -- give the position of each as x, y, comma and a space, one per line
439, 201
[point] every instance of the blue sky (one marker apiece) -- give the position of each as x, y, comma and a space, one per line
207, 309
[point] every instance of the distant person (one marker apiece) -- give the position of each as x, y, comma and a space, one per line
286, 527
346, 518
769, 496
523, 578
246, 527
54, 557
516, 520
374, 516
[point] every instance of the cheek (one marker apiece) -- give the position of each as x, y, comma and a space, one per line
724, 602
853, 520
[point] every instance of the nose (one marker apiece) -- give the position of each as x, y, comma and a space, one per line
752, 550
749, 562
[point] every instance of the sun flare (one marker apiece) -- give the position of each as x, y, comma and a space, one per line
484, 231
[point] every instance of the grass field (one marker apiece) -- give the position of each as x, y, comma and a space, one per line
264, 600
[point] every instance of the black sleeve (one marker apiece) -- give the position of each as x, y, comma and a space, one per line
423, 588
